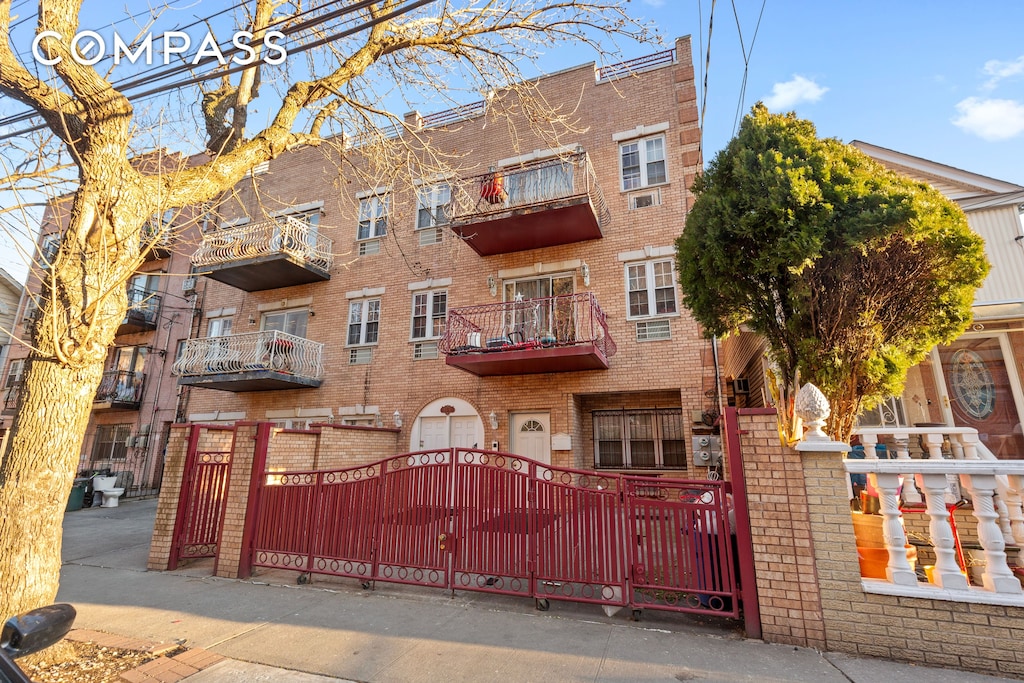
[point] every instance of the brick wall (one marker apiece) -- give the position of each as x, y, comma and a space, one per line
800, 519
780, 526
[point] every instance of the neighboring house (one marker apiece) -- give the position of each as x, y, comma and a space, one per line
976, 380
10, 298
135, 402
527, 303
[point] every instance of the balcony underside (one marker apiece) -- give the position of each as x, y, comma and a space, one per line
158, 252
532, 227
115, 405
271, 271
484, 363
135, 323
251, 380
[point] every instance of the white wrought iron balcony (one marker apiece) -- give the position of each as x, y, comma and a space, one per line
257, 361
277, 253
550, 334
537, 204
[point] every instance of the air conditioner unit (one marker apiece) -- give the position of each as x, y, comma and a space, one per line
188, 286
141, 441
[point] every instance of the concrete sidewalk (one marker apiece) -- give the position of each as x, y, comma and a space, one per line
271, 629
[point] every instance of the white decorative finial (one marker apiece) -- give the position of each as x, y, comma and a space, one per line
812, 407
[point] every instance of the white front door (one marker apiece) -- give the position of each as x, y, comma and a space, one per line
531, 436
464, 432
433, 433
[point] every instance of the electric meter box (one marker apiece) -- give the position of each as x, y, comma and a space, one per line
707, 450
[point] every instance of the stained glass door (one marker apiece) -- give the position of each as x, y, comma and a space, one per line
981, 393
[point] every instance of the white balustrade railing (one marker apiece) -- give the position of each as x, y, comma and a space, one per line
936, 467
283, 234
240, 353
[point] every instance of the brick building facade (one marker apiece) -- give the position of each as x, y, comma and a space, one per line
527, 301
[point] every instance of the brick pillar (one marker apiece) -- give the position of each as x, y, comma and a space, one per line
780, 520
243, 456
167, 504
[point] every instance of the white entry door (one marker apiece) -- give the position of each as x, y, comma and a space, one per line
464, 432
531, 436
433, 433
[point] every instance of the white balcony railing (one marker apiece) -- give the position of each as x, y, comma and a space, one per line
933, 468
243, 353
280, 235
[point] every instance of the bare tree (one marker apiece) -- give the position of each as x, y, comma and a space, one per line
357, 55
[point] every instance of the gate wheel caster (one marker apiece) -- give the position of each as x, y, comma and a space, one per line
543, 605
303, 579
637, 613
365, 585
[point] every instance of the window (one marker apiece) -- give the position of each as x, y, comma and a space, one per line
429, 312
434, 206
643, 162
111, 442
363, 322
373, 217
12, 385
48, 250
308, 217
528, 320
219, 327
639, 438
142, 297
290, 322
651, 288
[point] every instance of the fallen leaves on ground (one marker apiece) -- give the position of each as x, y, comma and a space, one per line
91, 664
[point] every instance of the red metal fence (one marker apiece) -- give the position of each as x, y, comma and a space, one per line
201, 501
474, 520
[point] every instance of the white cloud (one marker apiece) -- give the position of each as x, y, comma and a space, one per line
654, 3
789, 94
990, 119
999, 70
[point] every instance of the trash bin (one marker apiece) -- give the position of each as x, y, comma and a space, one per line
76, 498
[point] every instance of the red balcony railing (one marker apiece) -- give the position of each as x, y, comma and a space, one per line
537, 204
550, 334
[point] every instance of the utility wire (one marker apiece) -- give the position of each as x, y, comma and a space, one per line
220, 73
143, 79
746, 59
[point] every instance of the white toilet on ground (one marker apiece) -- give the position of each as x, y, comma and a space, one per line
105, 487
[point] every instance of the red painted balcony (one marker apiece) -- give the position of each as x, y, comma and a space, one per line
535, 205
268, 255
565, 333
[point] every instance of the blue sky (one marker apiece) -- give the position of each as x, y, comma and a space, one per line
940, 80
933, 79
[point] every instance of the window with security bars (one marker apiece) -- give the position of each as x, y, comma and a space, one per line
640, 438
111, 442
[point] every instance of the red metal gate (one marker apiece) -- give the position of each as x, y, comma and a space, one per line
202, 498
484, 521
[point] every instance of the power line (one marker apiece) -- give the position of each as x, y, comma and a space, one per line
746, 59
140, 80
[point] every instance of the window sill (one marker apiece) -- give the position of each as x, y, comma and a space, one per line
641, 188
